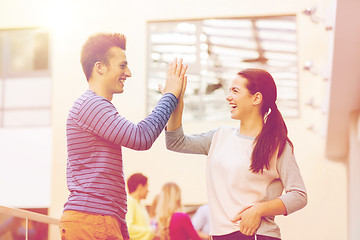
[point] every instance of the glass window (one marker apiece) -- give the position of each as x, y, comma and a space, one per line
35, 117
21, 51
1, 53
25, 93
25, 84
41, 51
29, 50
215, 50
1, 95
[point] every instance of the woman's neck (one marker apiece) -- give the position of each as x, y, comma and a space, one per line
251, 127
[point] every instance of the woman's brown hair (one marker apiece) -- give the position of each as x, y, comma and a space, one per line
273, 137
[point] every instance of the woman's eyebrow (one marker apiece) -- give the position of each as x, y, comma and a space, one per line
232, 88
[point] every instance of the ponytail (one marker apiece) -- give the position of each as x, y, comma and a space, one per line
271, 140
273, 136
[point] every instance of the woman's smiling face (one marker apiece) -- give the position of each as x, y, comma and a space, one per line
239, 98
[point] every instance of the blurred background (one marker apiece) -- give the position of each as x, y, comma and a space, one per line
311, 47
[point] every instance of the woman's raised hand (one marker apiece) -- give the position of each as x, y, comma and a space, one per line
175, 79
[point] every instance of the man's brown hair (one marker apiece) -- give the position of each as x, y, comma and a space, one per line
96, 49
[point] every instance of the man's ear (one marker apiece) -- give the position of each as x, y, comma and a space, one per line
98, 67
258, 98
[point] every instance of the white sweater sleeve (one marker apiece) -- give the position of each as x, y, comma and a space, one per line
295, 196
196, 143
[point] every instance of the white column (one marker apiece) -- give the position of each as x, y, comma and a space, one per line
354, 177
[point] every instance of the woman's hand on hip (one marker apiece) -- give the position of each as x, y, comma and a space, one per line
250, 220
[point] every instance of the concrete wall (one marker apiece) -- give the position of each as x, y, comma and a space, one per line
73, 21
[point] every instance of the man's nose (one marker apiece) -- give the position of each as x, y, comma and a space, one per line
128, 72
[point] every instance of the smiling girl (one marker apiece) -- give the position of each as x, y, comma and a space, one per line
247, 167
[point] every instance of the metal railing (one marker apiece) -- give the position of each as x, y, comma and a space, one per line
27, 215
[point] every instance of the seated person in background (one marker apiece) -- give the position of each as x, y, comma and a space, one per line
137, 217
201, 221
173, 224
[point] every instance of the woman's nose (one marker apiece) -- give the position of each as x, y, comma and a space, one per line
228, 97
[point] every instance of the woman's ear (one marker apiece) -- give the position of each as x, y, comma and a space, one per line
258, 98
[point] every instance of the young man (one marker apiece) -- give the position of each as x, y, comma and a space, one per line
137, 217
96, 133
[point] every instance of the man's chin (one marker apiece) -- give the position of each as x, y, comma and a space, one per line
119, 91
